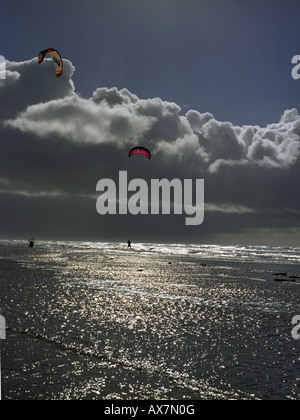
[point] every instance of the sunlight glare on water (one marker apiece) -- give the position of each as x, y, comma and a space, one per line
96, 321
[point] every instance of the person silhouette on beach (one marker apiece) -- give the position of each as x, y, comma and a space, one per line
31, 242
129, 244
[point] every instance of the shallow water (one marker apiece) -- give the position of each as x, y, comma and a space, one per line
98, 321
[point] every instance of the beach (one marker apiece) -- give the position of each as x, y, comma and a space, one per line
98, 321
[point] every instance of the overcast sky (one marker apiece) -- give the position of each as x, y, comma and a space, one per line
206, 85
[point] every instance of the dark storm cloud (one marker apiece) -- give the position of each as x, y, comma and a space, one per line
56, 145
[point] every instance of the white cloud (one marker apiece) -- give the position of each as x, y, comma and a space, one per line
276, 146
219, 163
228, 208
82, 121
119, 118
29, 83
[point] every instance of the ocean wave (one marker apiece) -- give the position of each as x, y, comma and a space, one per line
238, 253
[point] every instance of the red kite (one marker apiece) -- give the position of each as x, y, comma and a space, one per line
140, 151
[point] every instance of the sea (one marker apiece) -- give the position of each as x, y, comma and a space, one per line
98, 321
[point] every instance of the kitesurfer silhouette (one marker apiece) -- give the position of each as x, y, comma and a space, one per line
31, 242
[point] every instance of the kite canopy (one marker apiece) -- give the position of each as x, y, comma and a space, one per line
56, 57
140, 151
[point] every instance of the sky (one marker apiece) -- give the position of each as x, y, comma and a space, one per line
206, 85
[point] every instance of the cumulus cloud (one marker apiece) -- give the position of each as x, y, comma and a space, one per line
118, 117
28, 83
82, 121
275, 146
71, 142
